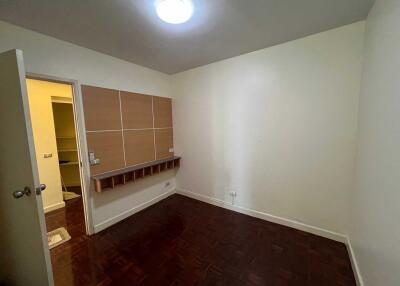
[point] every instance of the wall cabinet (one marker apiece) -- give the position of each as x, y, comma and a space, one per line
126, 130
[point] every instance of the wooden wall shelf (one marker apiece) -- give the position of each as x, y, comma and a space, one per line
111, 180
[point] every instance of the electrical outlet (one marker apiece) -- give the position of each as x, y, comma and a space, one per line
233, 195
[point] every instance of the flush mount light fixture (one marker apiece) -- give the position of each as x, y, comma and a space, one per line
174, 11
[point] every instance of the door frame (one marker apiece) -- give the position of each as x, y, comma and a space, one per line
84, 168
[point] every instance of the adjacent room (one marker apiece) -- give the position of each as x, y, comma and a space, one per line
199, 142
58, 160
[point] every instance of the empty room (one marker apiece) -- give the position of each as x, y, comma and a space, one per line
199, 142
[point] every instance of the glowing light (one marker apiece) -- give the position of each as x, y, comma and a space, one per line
174, 11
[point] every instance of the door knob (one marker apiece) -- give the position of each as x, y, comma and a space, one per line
20, 194
40, 189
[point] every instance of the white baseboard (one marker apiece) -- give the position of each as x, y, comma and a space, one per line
265, 216
354, 264
113, 220
54, 207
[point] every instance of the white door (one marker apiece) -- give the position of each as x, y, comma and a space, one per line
24, 254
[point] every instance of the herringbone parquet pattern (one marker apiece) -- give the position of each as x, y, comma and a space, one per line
181, 241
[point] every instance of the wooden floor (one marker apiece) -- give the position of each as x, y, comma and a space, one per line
180, 241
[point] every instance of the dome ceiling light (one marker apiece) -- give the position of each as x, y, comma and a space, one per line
174, 11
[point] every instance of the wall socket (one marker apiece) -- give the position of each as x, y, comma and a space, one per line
233, 195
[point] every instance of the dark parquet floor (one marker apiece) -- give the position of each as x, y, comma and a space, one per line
181, 241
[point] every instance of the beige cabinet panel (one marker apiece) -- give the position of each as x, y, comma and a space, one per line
108, 147
131, 128
101, 108
139, 146
164, 143
136, 110
162, 112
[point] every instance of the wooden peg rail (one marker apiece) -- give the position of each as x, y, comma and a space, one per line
111, 180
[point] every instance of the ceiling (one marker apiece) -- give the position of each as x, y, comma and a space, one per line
219, 29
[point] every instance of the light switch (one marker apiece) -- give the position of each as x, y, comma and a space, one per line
93, 160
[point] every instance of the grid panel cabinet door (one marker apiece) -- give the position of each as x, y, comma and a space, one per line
137, 110
126, 129
139, 146
101, 108
108, 147
164, 143
162, 112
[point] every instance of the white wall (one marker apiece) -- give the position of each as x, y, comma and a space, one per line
49, 56
277, 125
375, 235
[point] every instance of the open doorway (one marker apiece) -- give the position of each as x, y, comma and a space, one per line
58, 158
